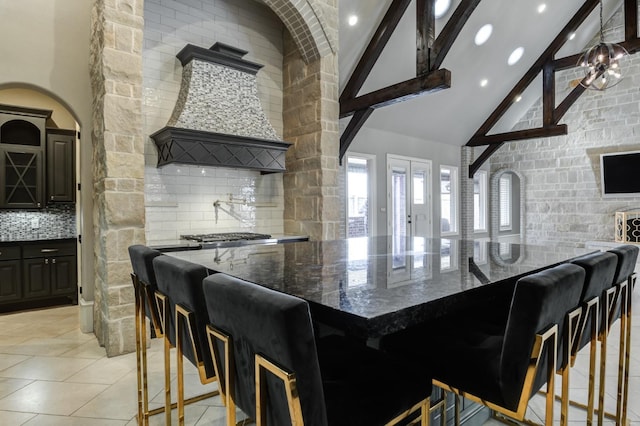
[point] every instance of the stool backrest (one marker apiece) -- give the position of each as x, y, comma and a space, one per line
627, 258
600, 269
539, 301
181, 282
142, 264
277, 326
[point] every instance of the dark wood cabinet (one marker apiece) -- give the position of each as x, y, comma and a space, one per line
61, 171
10, 276
22, 144
37, 164
50, 269
38, 273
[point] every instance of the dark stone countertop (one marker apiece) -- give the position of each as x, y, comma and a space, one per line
364, 287
35, 238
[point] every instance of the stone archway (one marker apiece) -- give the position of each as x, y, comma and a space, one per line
306, 22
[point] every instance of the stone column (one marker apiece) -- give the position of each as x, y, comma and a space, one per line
466, 193
312, 196
118, 144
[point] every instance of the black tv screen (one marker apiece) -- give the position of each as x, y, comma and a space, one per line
620, 173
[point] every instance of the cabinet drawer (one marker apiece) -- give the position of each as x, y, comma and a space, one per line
49, 250
9, 253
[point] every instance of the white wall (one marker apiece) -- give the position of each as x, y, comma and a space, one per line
179, 199
45, 47
381, 143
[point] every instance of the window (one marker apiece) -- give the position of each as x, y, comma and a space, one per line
480, 201
359, 197
448, 200
505, 202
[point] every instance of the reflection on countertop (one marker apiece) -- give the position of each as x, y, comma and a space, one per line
179, 245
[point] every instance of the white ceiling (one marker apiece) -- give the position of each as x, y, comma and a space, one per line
453, 115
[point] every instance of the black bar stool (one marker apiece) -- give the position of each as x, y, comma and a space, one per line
144, 287
503, 365
623, 282
600, 270
185, 318
275, 370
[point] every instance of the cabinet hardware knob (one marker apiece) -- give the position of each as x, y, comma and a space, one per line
53, 261
46, 261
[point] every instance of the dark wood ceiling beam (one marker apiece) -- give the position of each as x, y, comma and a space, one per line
568, 101
450, 32
518, 135
357, 121
488, 152
432, 82
548, 94
535, 69
632, 46
374, 48
425, 34
630, 20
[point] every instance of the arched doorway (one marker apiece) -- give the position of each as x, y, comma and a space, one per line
55, 219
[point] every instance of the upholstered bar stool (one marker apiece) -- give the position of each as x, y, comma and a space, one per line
501, 368
276, 371
185, 319
600, 269
144, 287
623, 282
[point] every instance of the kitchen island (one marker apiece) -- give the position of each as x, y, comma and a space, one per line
369, 287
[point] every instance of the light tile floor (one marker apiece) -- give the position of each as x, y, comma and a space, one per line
52, 374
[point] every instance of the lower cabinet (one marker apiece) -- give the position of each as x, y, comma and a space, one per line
38, 273
10, 276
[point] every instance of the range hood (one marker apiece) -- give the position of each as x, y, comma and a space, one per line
218, 119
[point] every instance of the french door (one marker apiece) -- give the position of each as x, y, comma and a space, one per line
408, 213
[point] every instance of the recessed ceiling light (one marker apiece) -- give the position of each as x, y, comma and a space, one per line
483, 34
441, 7
515, 56
353, 19
542, 7
484, 82
572, 36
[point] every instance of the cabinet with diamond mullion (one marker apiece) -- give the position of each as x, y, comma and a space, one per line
22, 143
22, 169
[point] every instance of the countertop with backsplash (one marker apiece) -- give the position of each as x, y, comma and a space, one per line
50, 223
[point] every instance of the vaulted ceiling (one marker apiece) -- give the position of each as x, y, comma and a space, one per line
453, 115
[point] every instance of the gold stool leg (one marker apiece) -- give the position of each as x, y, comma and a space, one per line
627, 355
138, 350
145, 379
180, 369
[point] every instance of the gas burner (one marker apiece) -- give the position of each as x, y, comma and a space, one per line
225, 236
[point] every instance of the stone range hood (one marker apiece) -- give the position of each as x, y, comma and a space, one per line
218, 119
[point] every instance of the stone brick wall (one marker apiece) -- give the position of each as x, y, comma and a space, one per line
563, 194
313, 205
116, 71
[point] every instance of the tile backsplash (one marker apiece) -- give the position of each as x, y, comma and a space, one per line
58, 221
180, 200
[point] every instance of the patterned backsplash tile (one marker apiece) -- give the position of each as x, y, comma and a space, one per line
49, 223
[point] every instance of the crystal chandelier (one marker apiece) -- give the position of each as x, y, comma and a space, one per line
601, 63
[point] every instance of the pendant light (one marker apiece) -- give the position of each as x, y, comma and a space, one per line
601, 63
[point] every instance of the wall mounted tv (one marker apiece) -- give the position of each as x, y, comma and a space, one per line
620, 176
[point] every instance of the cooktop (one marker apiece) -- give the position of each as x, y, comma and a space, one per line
225, 236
